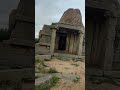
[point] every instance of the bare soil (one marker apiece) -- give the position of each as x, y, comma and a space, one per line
72, 67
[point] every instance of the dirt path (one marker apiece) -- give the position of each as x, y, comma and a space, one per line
77, 68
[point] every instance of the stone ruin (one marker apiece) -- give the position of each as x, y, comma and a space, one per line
19, 49
66, 36
102, 38
17, 53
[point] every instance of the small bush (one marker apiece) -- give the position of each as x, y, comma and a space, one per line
52, 70
77, 79
36, 40
75, 65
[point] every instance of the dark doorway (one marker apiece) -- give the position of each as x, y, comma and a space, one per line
62, 41
95, 37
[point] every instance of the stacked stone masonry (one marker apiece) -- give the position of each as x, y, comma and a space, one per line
66, 36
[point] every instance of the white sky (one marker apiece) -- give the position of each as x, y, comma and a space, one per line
50, 11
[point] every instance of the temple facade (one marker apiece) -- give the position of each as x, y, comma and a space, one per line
66, 36
102, 37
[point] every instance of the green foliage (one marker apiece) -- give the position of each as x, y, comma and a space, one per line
77, 79
76, 65
39, 66
4, 34
52, 70
48, 85
36, 40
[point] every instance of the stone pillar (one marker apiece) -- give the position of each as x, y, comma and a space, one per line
53, 36
80, 43
74, 45
71, 44
109, 48
67, 43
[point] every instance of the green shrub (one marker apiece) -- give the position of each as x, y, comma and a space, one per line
75, 65
52, 70
77, 79
48, 85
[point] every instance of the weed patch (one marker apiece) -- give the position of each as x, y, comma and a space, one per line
48, 85
76, 65
77, 79
52, 70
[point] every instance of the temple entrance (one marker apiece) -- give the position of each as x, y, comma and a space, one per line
62, 41
66, 41
95, 37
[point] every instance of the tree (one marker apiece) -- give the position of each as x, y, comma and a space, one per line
4, 34
36, 40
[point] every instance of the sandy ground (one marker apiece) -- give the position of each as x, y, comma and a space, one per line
68, 67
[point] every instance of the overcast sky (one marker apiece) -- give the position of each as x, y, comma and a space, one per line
50, 11
5, 8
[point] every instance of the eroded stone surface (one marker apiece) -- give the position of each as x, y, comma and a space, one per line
43, 80
72, 17
43, 57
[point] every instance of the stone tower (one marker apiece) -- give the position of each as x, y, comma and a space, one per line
22, 24
19, 48
72, 17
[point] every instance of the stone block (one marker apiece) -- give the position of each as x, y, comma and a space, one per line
40, 50
43, 57
43, 80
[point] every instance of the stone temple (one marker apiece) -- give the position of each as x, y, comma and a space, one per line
102, 35
17, 53
66, 36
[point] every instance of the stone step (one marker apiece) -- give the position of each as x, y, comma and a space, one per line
43, 80
67, 76
43, 57
13, 74
68, 56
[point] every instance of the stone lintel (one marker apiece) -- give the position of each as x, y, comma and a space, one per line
46, 34
69, 26
100, 4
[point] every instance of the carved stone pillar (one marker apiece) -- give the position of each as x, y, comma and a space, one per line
67, 43
110, 36
80, 43
71, 44
53, 36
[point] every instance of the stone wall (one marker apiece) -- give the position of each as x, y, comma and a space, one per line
18, 51
43, 47
116, 58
